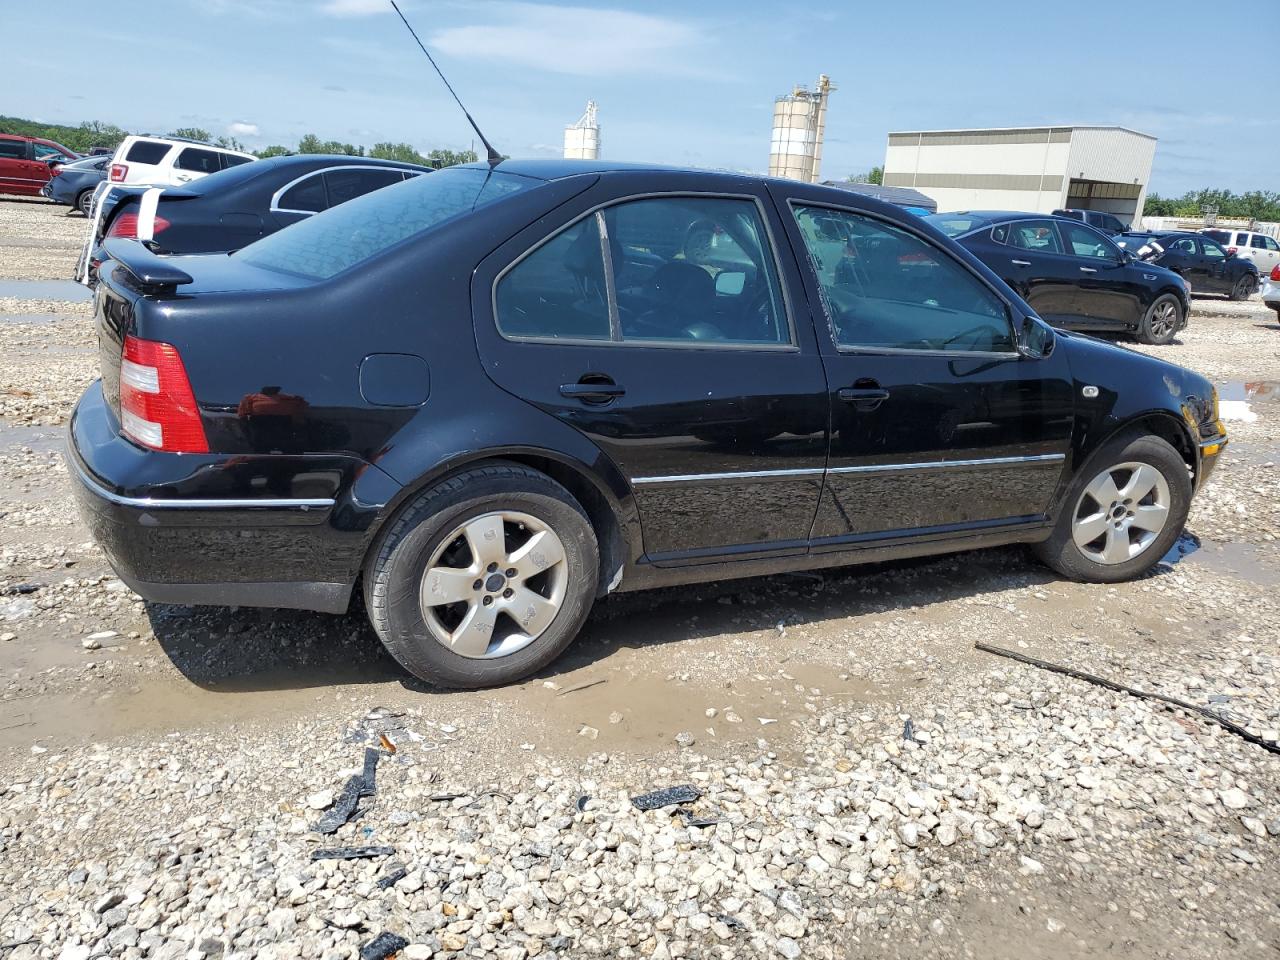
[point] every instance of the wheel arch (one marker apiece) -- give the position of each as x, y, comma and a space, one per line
1164, 424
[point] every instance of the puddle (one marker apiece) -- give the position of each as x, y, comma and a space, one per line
1237, 397
1242, 560
39, 439
45, 290
1184, 546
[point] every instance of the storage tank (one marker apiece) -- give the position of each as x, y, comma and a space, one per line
582, 139
799, 124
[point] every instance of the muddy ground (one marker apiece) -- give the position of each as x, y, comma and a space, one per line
1150, 833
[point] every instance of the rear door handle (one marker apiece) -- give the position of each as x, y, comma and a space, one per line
592, 392
1021, 263
863, 398
1088, 270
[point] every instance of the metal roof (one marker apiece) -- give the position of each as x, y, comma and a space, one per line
1041, 126
902, 196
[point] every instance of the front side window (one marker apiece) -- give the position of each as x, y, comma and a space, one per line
1185, 245
1084, 242
1212, 250
198, 161
1271, 244
305, 196
886, 288
147, 151
1038, 236
1258, 242
677, 270
44, 151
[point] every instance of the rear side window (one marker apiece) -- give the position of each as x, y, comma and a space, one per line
344, 185
559, 291
231, 160
889, 289
1035, 235
147, 151
199, 161
337, 239
13, 149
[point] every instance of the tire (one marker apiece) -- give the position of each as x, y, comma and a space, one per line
1086, 562
435, 530
1161, 321
1242, 289
84, 200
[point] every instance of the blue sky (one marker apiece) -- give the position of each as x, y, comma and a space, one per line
677, 82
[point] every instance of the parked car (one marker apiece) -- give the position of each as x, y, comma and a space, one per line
1106, 222
26, 163
170, 161
1072, 275
233, 208
483, 396
73, 182
1258, 247
1271, 290
1200, 260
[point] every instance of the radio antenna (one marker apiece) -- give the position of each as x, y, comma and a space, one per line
494, 156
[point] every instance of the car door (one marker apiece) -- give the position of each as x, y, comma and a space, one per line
1042, 272
1108, 293
192, 163
14, 177
1182, 256
1266, 252
663, 328
1215, 269
939, 426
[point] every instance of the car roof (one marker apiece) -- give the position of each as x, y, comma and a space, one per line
332, 159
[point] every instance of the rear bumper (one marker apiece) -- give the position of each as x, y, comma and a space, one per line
226, 531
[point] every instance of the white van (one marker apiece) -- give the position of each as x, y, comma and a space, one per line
168, 162
1258, 247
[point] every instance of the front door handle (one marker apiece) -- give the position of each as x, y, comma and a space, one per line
1021, 263
864, 398
591, 389
1088, 270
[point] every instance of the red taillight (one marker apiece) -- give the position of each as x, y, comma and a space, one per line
118, 172
157, 407
1275, 273
1231, 251
126, 225
54, 171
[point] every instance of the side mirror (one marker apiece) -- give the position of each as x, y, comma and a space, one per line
730, 283
1035, 338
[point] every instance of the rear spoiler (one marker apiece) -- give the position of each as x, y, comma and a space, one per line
149, 269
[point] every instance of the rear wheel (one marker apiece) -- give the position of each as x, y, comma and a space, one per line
84, 200
1243, 288
1122, 512
1161, 321
483, 579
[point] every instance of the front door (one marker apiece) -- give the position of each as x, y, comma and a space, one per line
660, 327
1214, 268
1108, 292
1042, 272
939, 426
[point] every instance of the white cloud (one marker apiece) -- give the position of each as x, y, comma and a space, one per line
575, 40
239, 128
354, 8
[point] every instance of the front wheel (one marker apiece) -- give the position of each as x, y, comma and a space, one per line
483, 579
1161, 321
1122, 512
1243, 288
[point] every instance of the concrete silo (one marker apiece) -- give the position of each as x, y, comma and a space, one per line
799, 123
582, 139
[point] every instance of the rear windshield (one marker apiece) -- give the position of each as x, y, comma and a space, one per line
343, 236
955, 224
147, 151
1222, 236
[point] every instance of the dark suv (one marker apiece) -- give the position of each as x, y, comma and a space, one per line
491, 395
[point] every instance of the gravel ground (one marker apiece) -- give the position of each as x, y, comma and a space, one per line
868, 783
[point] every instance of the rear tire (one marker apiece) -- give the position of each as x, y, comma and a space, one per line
1124, 546
1242, 289
84, 200
494, 633
1162, 320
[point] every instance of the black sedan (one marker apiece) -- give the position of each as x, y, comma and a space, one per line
1205, 264
1073, 275
231, 209
491, 395
73, 182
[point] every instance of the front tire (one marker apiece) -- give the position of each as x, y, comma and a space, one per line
1243, 288
1161, 321
483, 579
1122, 512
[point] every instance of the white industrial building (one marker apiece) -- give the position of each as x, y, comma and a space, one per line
799, 127
1038, 169
582, 139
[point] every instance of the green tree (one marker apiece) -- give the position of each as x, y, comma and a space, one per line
313, 144
275, 150
403, 152
874, 175
449, 158
193, 133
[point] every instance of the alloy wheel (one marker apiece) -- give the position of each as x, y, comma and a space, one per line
1121, 512
1163, 319
1244, 288
494, 585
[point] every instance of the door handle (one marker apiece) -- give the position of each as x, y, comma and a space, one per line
1021, 263
864, 398
1088, 270
592, 389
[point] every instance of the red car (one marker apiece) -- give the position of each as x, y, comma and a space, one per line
26, 163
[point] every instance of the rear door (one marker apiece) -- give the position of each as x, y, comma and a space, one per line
656, 316
939, 427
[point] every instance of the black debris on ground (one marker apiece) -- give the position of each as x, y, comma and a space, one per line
382, 946
685, 793
351, 853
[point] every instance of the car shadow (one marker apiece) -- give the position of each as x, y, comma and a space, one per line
242, 649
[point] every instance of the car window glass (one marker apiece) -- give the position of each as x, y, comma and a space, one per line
1242, 240
1111, 223
305, 195
1258, 241
1212, 250
197, 160
13, 149
1000, 233
1035, 235
887, 288
231, 160
147, 151
695, 269
1222, 236
1087, 243
344, 185
559, 290
1271, 244
43, 151
1185, 245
